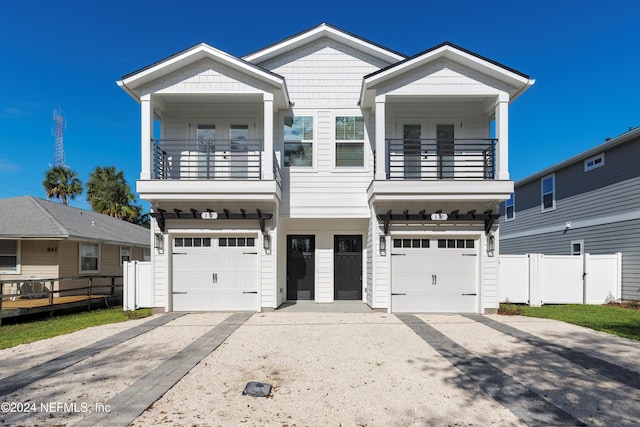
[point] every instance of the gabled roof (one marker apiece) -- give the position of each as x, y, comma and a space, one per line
28, 217
607, 145
318, 32
133, 81
519, 81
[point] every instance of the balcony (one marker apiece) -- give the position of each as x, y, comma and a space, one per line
437, 159
210, 169
454, 174
209, 160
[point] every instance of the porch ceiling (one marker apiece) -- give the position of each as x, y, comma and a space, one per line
209, 98
435, 99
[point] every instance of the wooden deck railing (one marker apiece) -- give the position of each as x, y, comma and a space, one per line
29, 296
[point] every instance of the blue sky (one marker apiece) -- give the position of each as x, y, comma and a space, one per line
585, 57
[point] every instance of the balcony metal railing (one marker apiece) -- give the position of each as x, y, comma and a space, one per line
210, 160
433, 159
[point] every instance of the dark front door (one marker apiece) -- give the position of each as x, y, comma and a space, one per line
300, 267
347, 273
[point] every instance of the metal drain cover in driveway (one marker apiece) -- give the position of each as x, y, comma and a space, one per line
256, 389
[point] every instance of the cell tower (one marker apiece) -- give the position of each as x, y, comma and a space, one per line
58, 132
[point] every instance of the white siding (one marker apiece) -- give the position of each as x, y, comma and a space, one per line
371, 248
205, 76
381, 268
443, 77
324, 74
324, 80
159, 266
323, 190
489, 275
268, 272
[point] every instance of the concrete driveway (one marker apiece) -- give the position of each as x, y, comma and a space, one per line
365, 369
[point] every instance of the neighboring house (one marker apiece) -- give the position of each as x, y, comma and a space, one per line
589, 203
325, 167
40, 239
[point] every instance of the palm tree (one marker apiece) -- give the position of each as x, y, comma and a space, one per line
61, 182
108, 193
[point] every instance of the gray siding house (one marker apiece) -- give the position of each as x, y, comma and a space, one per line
40, 239
589, 203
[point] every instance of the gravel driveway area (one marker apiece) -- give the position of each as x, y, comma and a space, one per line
356, 369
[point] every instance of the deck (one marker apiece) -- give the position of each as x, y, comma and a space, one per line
100, 291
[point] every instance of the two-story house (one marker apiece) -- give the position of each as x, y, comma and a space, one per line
325, 167
589, 203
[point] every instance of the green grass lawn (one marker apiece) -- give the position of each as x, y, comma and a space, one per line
624, 322
22, 333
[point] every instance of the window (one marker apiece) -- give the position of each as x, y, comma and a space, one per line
349, 141
577, 247
146, 254
548, 193
456, 243
192, 242
594, 162
233, 242
89, 257
410, 243
125, 254
298, 141
510, 208
9, 259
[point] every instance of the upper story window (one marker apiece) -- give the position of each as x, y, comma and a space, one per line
510, 208
349, 141
89, 257
594, 162
548, 185
9, 259
298, 141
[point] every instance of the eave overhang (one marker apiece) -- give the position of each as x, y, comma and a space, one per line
318, 32
519, 82
607, 145
131, 83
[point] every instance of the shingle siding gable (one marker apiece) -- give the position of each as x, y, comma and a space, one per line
324, 73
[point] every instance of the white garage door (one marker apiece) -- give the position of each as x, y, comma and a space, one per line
215, 273
434, 275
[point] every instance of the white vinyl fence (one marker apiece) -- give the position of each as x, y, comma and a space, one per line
537, 279
137, 285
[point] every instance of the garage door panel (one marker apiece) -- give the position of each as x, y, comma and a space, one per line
215, 278
431, 279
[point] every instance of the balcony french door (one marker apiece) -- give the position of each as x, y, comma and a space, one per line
223, 150
445, 136
427, 149
411, 136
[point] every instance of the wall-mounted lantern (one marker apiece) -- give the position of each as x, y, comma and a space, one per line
383, 245
266, 242
491, 245
158, 242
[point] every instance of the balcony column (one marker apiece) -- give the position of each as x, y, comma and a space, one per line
502, 134
267, 164
146, 133
381, 149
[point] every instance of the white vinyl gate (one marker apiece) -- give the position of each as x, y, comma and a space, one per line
427, 277
538, 279
215, 274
